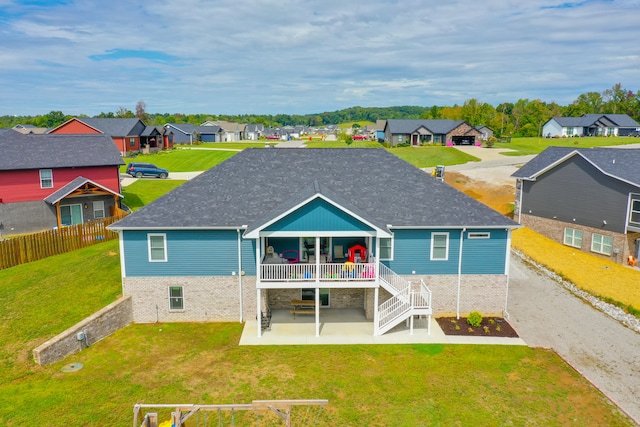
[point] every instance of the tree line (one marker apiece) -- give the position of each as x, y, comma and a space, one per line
520, 119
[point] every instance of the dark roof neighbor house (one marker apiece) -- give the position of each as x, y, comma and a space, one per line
50, 180
585, 198
590, 125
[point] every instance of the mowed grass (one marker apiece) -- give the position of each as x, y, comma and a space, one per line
600, 277
142, 191
526, 146
381, 385
182, 160
318, 143
432, 155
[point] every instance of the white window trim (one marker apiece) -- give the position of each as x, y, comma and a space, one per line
390, 249
478, 235
181, 297
601, 244
51, 177
446, 256
96, 204
634, 198
573, 237
164, 241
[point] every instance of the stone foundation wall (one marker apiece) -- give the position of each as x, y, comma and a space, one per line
94, 328
486, 293
554, 230
206, 299
338, 298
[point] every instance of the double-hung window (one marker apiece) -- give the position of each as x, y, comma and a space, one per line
98, 209
386, 248
157, 247
176, 298
573, 237
440, 246
634, 215
46, 178
601, 244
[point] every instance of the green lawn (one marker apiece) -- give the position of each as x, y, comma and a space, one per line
142, 191
366, 385
230, 145
180, 160
432, 155
339, 144
526, 146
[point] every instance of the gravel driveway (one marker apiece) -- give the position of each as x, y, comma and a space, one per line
545, 314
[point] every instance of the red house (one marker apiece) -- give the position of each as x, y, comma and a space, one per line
49, 181
129, 135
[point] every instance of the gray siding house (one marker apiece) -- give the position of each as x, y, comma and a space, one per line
590, 125
585, 198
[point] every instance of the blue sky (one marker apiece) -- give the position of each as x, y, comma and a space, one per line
303, 57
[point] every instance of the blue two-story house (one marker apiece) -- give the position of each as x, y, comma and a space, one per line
314, 229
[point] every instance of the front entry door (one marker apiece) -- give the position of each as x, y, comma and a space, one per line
71, 215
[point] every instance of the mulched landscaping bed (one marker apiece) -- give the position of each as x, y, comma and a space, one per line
490, 327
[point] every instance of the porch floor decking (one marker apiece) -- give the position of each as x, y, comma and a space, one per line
349, 326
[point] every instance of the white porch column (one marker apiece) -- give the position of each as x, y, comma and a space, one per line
259, 316
375, 310
317, 312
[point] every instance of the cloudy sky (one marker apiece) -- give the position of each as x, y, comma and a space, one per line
311, 56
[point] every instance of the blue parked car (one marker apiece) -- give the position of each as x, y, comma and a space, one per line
146, 169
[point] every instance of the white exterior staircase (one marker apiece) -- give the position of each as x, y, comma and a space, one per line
404, 303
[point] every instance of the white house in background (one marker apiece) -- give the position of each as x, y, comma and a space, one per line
590, 125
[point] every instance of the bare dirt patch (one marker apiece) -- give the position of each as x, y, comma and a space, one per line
495, 194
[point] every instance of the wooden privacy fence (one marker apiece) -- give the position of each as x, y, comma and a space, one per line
32, 247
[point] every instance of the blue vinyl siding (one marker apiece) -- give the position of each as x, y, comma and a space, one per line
412, 252
189, 253
318, 215
484, 256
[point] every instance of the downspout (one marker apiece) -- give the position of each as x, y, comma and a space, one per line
123, 266
460, 272
240, 273
520, 200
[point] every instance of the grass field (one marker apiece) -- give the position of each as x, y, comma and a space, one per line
182, 160
142, 192
366, 385
526, 146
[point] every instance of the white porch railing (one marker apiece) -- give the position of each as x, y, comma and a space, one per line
327, 272
403, 305
392, 282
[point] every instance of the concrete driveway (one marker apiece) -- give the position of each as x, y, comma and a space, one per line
545, 314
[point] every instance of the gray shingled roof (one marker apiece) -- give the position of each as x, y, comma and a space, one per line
619, 163
112, 127
438, 126
380, 186
587, 120
64, 191
19, 151
186, 128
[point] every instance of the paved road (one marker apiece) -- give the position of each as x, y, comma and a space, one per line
604, 351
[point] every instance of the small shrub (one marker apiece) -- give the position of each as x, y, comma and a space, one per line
474, 319
457, 327
492, 321
486, 329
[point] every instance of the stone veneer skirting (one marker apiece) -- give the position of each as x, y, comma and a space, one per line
206, 299
554, 229
211, 299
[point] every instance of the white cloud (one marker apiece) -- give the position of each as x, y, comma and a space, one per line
249, 56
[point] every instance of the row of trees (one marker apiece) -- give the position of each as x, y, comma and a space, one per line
523, 118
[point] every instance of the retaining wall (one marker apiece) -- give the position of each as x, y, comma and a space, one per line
95, 327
